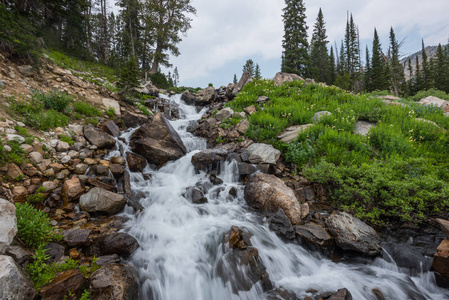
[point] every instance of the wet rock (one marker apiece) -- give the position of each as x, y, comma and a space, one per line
240, 264
440, 264
352, 234
291, 133
261, 154
8, 224
67, 283
136, 163
315, 235
215, 179
54, 251
76, 237
108, 259
120, 243
195, 195
188, 98
341, 294
317, 116
246, 78
117, 170
404, 255
133, 120
118, 160
267, 192
209, 159
281, 294
157, 141
99, 200
224, 114
14, 282
444, 225
282, 78
111, 128
72, 189
281, 225
114, 281
98, 138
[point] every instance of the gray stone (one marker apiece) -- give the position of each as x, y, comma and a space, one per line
14, 282
114, 281
102, 201
62, 146
242, 126
317, 116
282, 78
205, 96
8, 224
27, 148
315, 234
291, 133
76, 129
15, 137
26, 71
431, 100
246, 78
49, 185
20, 255
224, 114
36, 157
363, 127
98, 138
66, 159
119, 243
74, 154
76, 237
111, 103
351, 233
262, 154
444, 225
262, 99
2, 84
81, 168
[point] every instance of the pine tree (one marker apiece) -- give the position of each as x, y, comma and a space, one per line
441, 70
396, 70
343, 79
257, 74
249, 67
352, 53
425, 69
367, 74
176, 77
410, 82
379, 74
319, 57
235, 79
419, 80
129, 75
332, 67
295, 57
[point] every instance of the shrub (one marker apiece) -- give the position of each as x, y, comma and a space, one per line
431, 92
38, 196
34, 227
85, 108
67, 139
55, 100
110, 112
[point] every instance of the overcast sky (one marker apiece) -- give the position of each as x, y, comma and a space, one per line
226, 33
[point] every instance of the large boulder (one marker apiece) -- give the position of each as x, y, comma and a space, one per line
240, 264
72, 189
76, 237
157, 141
246, 78
98, 137
352, 234
114, 281
291, 133
136, 163
363, 127
99, 200
261, 154
282, 78
224, 114
133, 120
440, 264
317, 116
14, 282
209, 159
120, 243
316, 235
206, 96
67, 283
111, 103
267, 192
8, 224
431, 100
188, 98
341, 294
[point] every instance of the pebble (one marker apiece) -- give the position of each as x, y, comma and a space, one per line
65, 159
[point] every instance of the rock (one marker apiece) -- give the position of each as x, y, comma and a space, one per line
352, 234
242, 126
315, 235
76, 237
54, 251
405, 256
98, 138
281, 225
246, 78
67, 283
341, 294
304, 210
363, 127
66, 159
240, 264
317, 116
36, 157
195, 195
118, 160
27, 148
15, 137
101, 184
282, 78
76, 129
267, 192
101, 170
59, 71
19, 193
14, 171
114, 281
81, 169
440, 263
120, 243
136, 163
215, 180
2, 84
431, 100
133, 120
62, 146
427, 121
188, 98
14, 282
444, 225
157, 141
108, 259
26, 71
250, 110
209, 159
72, 189
262, 99
206, 96
74, 154
262, 154
63, 174
20, 255
111, 128
224, 114
111, 103
8, 224
291, 133
102, 201
117, 170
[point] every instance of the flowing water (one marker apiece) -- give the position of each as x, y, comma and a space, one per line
181, 242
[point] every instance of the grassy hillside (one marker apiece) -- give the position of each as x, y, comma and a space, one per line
399, 171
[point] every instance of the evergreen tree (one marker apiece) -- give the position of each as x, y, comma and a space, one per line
129, 74
257, 74
352, 53
235, 79
130, 29
332, 67
295, 57
175, 77
410, 82
379, 78
367, 74
419, 80
396, 70
441, 70
426, 77
319, 58
343, 79
249, 67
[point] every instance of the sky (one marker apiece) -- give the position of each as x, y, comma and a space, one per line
225, 34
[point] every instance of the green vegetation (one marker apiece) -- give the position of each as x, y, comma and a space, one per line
16, 155
38, 196
110, 112
55, 100
399, 171
86, 109
67, 139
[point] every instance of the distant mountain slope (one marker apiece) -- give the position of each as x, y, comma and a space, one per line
431, 51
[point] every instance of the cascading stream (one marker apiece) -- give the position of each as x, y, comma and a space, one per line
181, 242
